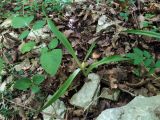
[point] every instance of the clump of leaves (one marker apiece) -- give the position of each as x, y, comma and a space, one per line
26, 47
144, 60
25, 22
60, 36
33, 84
51, 58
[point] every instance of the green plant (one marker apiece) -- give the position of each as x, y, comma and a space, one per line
144, 60
25, 22
50, 59
124, 15
82, 67
62, 89
146, 33
33, 84
26, 47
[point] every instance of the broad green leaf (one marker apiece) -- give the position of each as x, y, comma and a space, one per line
130, 55
26, 47
138, 60
138, 52
148, 62
146, 54
146, 33
20, 22
44, 50
106, 60
53, 44
38, 24
22, 84
24, 34
1, 64
63, 40
151, 70
63, 88
50, 61
157, 65
37, 79
35, 88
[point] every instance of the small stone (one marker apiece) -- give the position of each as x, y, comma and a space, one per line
57, 110
110, 94
6, 23
42, 33
87, 93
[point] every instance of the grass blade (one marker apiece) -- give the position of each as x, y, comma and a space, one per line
90, 50
143, 32
63, 40
106, 60
62, 89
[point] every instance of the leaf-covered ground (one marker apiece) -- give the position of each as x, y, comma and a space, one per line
82, 23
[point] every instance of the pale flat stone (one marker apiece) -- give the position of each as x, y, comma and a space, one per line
57, 110
140, 108
80, 1
86, 94
104, 23
42, 33
110, 94
6, 23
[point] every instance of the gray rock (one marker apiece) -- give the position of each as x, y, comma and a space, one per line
140, 108
6, 23
56, 111
104, 23
87, 93
42, 33
80, 1
110, 94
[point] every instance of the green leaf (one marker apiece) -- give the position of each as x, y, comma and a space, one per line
38, 24
105, 60
138, 52
146, 54
24, 34
148, 62
138, 60
152, 70
44, 50
22, 84
130, 55
1, 64
63, 40
146, 33
17, 8
157, 65
27, 47
51, 61
20, 22
63, 88
35, 88
137, 72
37, 79
53, 44
89, 51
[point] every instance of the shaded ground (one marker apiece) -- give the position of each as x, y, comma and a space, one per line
78, 22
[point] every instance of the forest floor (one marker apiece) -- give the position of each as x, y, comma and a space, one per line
82, 23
